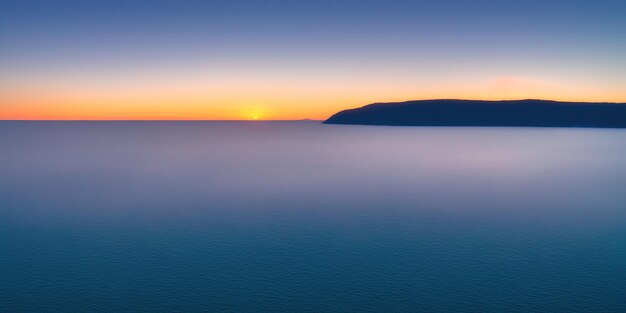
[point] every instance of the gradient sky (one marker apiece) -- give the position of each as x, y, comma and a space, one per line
232, 59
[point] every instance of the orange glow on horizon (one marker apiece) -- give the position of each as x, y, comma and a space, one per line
280, 100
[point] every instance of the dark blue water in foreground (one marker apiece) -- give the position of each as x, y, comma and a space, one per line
304, 217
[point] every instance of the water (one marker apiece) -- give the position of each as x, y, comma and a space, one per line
304, 217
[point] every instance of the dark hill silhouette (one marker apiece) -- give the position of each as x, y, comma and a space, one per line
539, 113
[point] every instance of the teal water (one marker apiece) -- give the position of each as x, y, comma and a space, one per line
305, 217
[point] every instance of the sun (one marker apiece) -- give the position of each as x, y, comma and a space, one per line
253, 114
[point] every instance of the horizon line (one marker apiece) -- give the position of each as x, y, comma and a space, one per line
161, 120
172, 119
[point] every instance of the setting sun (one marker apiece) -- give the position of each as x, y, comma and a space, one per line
254, 113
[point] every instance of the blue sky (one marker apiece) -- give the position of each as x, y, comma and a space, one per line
82, 54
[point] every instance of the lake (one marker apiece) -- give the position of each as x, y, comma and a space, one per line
306, 217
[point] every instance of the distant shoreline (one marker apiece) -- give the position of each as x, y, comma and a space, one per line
468, 113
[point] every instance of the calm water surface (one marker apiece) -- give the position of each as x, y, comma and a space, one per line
304, 217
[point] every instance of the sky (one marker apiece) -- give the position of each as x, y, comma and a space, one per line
279, 59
